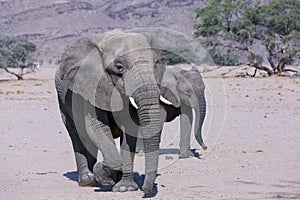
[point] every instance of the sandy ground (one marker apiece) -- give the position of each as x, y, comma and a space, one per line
257, 155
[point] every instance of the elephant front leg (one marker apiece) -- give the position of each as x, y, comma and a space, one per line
99, 132
127, 182
186, 119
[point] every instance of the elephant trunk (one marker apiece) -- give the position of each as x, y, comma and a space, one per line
200, 111
141, 85
147, 100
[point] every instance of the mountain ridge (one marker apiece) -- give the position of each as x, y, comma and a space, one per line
52, 25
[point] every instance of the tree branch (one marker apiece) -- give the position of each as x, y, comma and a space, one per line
290, 70
13, 73
233, 47
261, 67
20, 75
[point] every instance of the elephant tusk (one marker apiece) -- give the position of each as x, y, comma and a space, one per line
165, 101
133, 102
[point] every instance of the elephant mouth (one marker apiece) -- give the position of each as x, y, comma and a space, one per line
161, 98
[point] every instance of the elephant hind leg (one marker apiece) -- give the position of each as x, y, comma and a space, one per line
84, 158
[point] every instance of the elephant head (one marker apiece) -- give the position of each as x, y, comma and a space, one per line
108, 68
185, 87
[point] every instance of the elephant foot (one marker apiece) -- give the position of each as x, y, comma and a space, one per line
105, 175
147, 188
86, 177
126, 184
149, 182
186, 154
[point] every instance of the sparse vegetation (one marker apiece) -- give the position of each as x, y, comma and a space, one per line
236, 25
172, 58
177, 55
16, 53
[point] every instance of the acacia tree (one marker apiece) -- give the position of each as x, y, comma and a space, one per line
15, 53
237, 24
281, 20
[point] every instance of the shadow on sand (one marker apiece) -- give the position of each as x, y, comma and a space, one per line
139, 179
165, 151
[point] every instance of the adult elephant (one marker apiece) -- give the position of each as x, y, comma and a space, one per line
95, 81
183, 91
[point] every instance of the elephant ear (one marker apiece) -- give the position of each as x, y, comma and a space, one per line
195, 82
83, 71
168, 88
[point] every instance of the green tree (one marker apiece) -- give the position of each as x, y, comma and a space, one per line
16, 53
178, 55
237, 24
281, 20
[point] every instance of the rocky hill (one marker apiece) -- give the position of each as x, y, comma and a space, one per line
52, 24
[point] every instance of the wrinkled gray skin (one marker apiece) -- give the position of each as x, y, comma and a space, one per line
185, 90
96, 77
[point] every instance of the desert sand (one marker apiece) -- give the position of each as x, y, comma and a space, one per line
256, 154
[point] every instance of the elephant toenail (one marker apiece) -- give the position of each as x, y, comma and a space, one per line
131, 188
123, 189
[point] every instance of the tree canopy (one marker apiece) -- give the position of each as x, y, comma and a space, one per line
235, 25
16, 53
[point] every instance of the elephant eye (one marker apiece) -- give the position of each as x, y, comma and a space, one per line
119, 67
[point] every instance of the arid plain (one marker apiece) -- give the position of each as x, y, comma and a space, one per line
256, 155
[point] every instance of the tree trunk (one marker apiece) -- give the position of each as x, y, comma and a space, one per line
270, 57
281, 65
256, 65
17, 75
